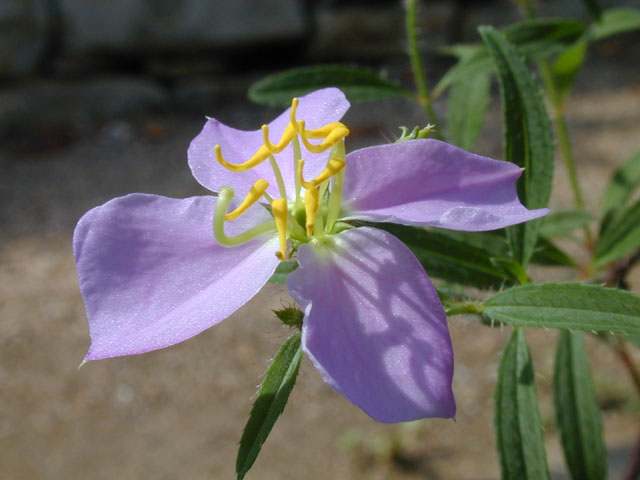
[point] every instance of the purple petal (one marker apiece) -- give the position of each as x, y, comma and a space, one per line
428, 182
317, 109
374, 326
152, 275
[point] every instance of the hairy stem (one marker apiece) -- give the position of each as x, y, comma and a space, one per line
424, 97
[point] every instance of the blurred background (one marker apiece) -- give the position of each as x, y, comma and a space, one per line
100, 99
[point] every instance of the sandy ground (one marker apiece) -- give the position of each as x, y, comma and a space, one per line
179, 412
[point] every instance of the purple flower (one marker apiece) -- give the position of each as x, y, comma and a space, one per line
153, 271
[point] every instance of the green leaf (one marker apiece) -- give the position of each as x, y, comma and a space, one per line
625, 180
518, 427
272, 398
563, 222
528, 140
533, 40
615, 21
546, 253
494, 243
541, 37
593, 8
567, 65
572, 306
358, 84
444, 257
468, 103
283, 270
620, 237
577, 411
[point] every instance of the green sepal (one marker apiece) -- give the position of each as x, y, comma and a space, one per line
290, 316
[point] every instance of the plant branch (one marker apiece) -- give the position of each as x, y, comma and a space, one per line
424, 97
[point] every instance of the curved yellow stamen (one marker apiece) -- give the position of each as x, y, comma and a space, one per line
279, 211
292, 113
288, 134
310, 208
334, 165
260, 156
332, 134
325, 130
254, 194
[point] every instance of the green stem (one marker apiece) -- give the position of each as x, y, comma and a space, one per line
416, 65
462, 308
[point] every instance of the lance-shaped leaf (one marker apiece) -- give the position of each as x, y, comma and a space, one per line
615, 21
573, 306
468, 103
577, 411
518, 427
533, 40
620, 236
528, 140
272, 398
563, 222
625, 180
567, 65
358, 84
548, 254
449, 259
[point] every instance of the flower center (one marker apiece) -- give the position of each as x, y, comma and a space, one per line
310, 217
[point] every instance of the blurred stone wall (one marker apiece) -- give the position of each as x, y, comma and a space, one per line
69, 66
34, 31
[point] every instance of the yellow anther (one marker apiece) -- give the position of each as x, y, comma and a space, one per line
325, 130
310, 208
254, 194
292, 114
334, 165
285, 139
279, 211
332, 134
260, 156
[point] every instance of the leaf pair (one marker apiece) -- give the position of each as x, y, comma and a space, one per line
519, 432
